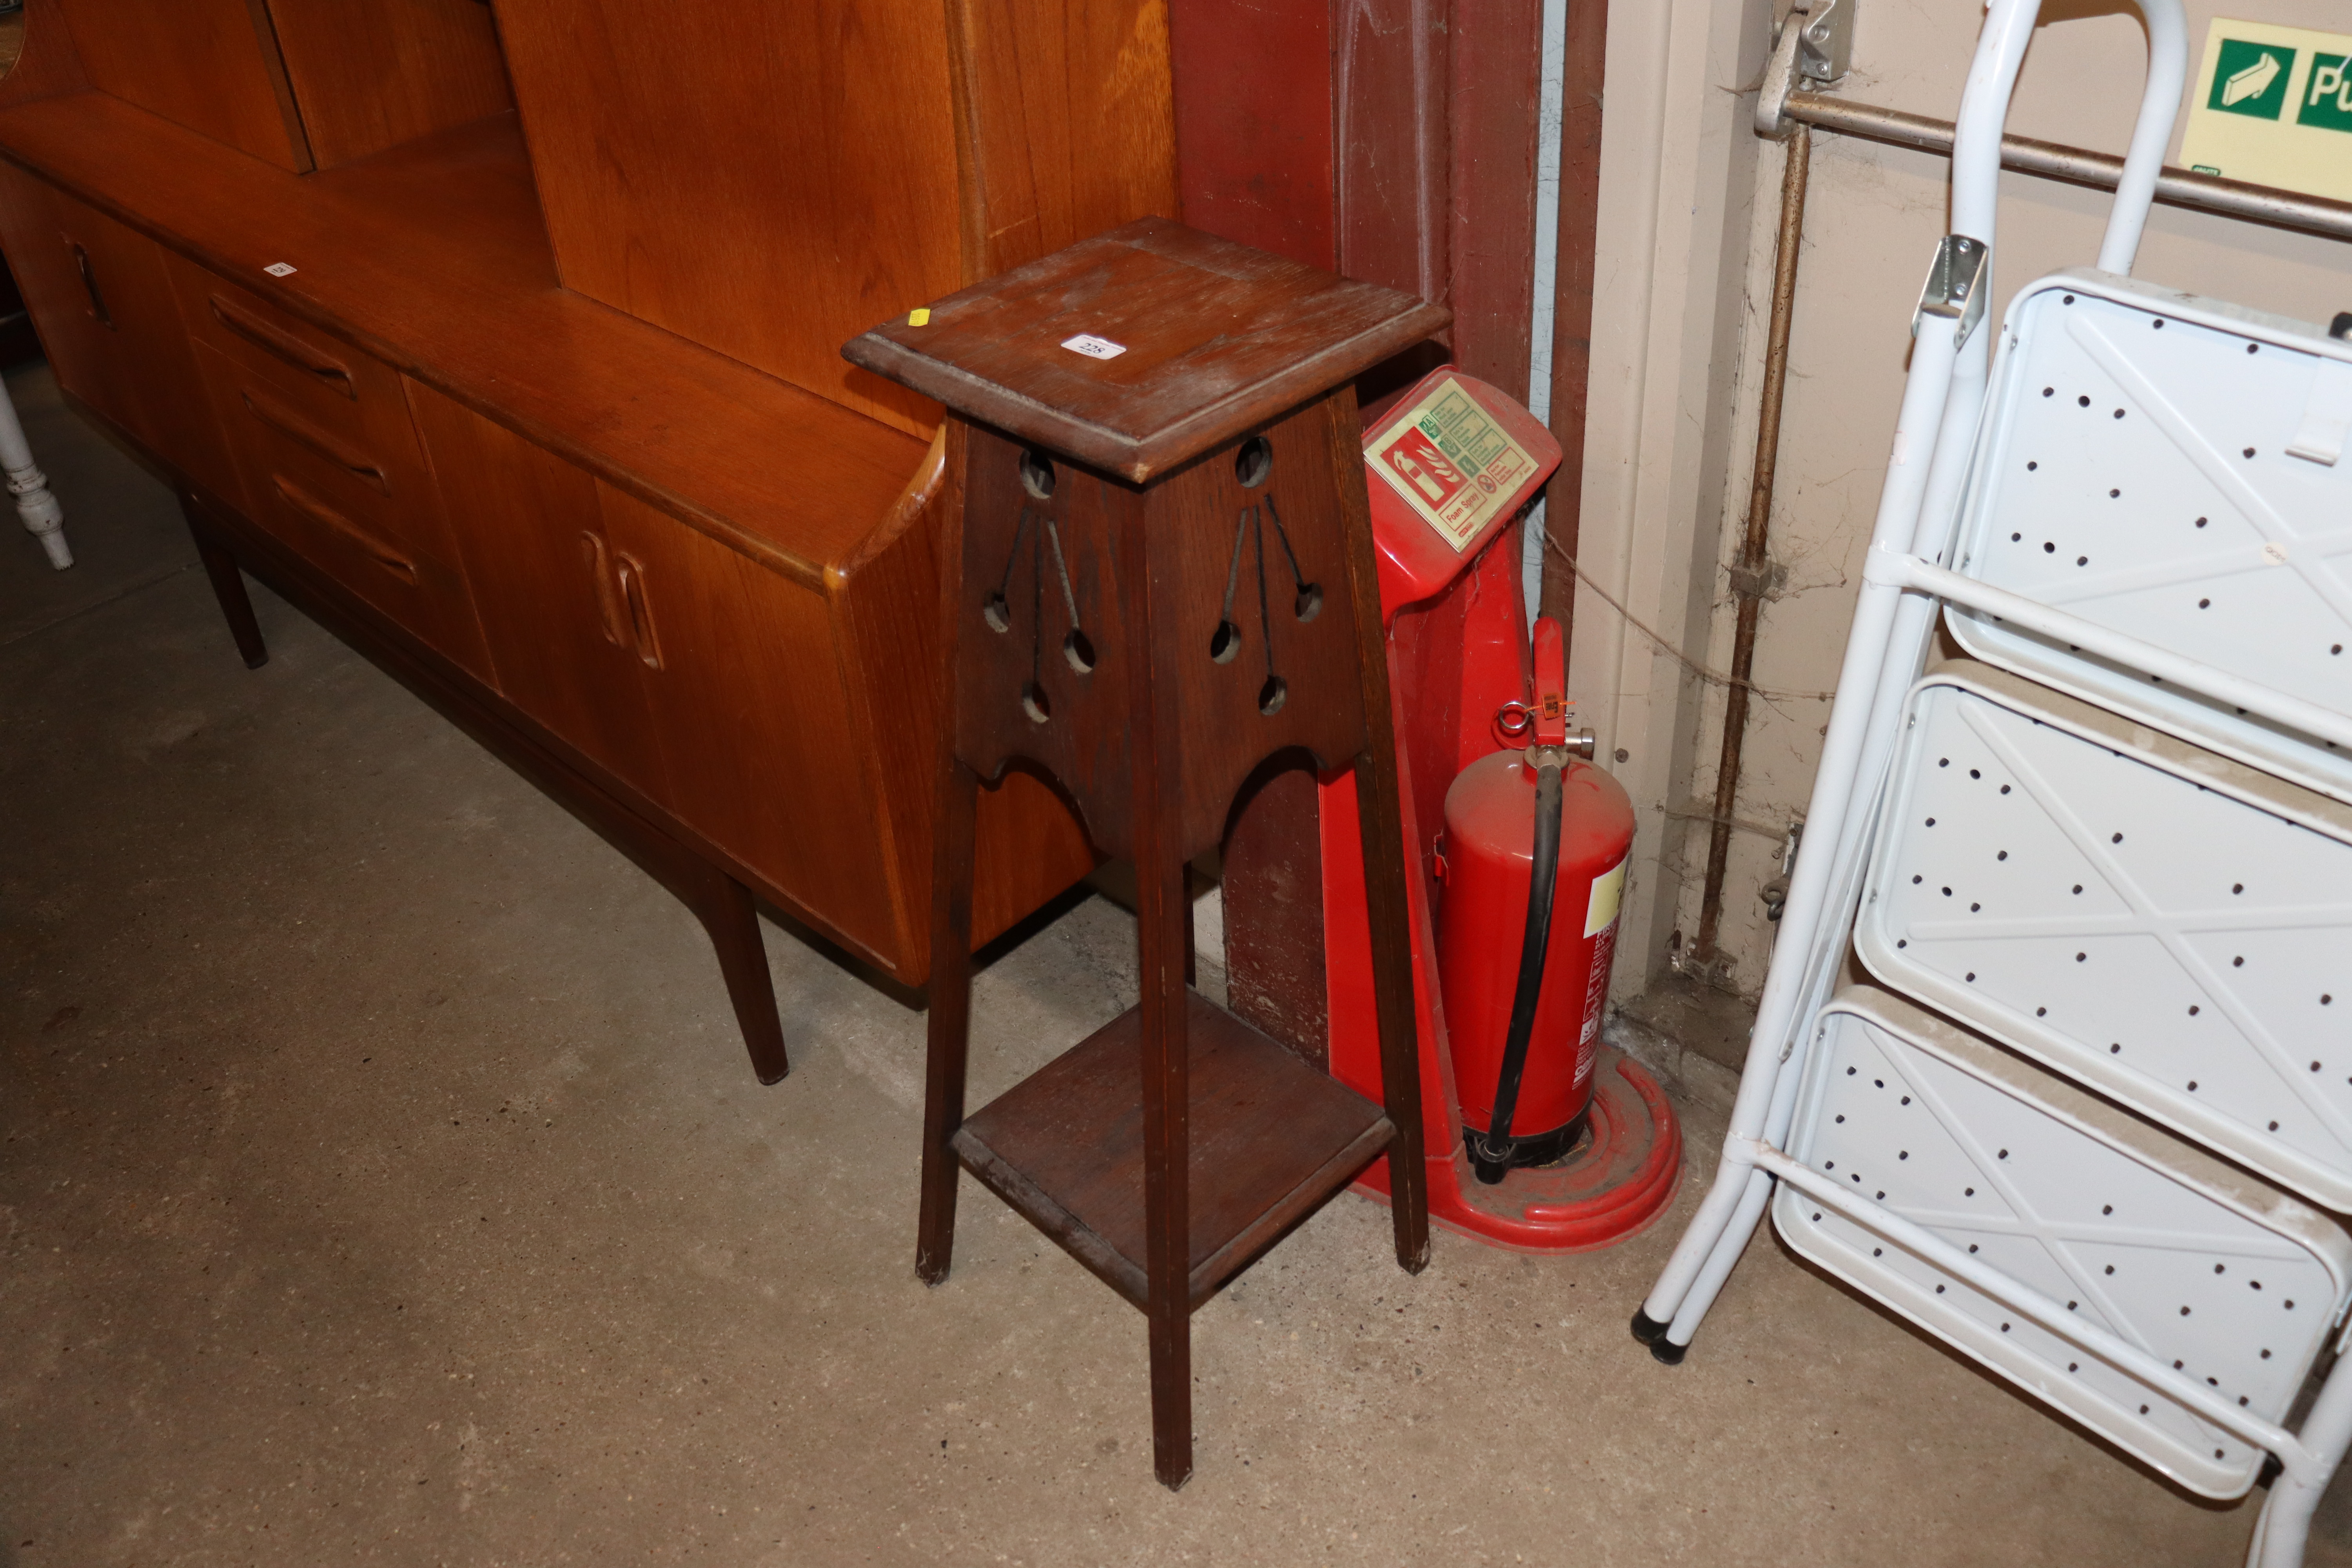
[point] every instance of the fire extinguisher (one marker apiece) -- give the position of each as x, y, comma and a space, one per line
1533, 863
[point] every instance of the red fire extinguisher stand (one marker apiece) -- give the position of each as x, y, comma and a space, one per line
1464, 679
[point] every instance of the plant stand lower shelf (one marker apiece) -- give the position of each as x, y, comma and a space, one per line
1271, 1139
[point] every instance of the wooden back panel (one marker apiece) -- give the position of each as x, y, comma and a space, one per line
371, 74
1067, 120
208, 65
769, 180
48, 64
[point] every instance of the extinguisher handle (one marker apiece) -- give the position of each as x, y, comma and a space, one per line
1551, 684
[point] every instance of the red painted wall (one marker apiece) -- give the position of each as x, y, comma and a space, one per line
1391, 139
1254, 123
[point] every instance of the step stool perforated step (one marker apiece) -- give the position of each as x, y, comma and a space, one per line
2198, 1264
2177, 468
2166, 926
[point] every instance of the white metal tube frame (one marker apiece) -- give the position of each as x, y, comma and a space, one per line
1934, 441
1905, 583
2307, 1459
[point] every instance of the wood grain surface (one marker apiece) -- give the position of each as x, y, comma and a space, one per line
1208, 531
751, 713
371, 74
1065, 124
1216, 337
534, 545
683, 192
1271, 1139
376, 243
1029, 844
208, 65
48, 64
100, 299
1276, 967
737, 175
367, 515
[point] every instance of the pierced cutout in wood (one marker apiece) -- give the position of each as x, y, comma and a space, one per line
2155, 463
2206, 1270
1041, 532
2167, 926
1247, 594
1255, 458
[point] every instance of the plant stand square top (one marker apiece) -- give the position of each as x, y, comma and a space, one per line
1137, 350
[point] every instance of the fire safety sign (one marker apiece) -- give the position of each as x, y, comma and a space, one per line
2274, 106
1451, 461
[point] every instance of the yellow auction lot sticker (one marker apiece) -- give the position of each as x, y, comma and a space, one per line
2273, 105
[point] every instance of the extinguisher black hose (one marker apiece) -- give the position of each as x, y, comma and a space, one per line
1543, 877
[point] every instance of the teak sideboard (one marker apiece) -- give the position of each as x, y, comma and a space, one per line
505, 341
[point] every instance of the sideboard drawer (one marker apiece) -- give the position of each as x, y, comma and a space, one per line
334, 385
349, 504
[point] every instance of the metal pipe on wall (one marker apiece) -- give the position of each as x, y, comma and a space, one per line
1783, 110
1583, 79
2076, 165
1755, 559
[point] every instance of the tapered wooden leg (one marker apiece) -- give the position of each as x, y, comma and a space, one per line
1385, 898
950, 1018
1380, 808
1164, 939
228, 587
732, 918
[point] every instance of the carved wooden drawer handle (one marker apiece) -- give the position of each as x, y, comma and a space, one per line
89, 286
292, 426
608, 598
641, 611
284, 345
319, 511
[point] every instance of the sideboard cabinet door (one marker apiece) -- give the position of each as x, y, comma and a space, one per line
543, 574
752, 714
103, 306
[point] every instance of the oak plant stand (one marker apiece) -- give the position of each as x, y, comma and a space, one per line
1164, 579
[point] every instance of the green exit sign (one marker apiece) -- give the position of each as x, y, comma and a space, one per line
2328, 104
2249, 79
2272, 105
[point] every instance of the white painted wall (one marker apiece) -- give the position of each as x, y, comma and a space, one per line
1688, 193
1678, 174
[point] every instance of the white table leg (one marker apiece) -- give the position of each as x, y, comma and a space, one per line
43, 517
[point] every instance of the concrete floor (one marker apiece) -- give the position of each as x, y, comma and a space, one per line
384, 1182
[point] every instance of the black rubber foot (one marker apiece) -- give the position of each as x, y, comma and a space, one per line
767, 1082
1648, 1329
1666, 1353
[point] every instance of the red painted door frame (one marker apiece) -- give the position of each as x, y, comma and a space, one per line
1394, 141
1390, 140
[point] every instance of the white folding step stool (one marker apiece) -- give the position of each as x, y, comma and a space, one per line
2175, 469
2164, 925
2098, 597
2167, 1251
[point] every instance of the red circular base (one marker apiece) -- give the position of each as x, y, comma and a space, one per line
1614, 1188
